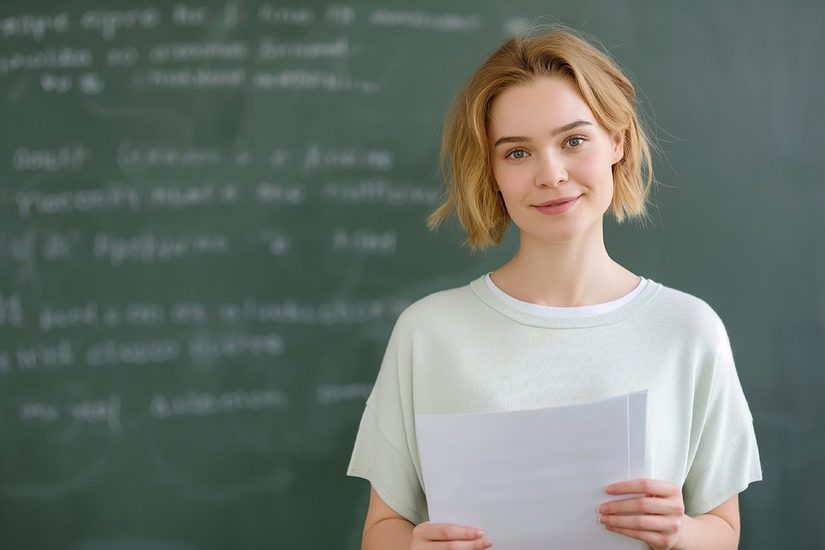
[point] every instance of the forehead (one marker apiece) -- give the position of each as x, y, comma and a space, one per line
540, 105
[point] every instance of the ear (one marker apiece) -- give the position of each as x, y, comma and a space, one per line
618, 146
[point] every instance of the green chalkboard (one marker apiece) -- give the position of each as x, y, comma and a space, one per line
211, 214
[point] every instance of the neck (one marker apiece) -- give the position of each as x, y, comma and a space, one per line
577, 272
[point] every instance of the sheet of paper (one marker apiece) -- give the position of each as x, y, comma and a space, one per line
532, 479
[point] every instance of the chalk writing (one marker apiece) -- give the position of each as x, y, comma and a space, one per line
277, 243
380, 191
34, 26
131, 156
183, 52
98, 411
362, 240
65, 157
212, 347
329, 394
340, 14
183, 196
22, 248
54, 318
267, 192
208, 404
56, 83
420, 20
345, 312
91, 83
52, 58
91, 314
43, 412
317, 158
188, 78
112, 352
109, 23
189, 16
44, 355
285, 16
113, 196
278, 158
11, 311
288, 311
122, 57
269, 49
88, 411
150, 248
300, 79
59, 246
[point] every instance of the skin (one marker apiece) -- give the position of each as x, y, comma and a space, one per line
562, 261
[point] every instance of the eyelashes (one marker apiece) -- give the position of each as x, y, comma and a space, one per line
509, 154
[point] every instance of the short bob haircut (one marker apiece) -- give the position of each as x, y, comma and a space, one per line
465, 160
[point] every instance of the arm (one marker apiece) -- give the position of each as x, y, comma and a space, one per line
658, 518
385, 529
717, 529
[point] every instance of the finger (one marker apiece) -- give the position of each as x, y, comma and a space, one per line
650, 487
479, 544
652, 538
445, 531
662, 524
644, 505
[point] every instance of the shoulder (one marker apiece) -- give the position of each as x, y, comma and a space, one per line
438, 306
681, 311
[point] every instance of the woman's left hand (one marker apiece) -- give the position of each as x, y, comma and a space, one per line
654, 518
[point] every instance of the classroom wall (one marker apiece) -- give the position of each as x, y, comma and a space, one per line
212, 212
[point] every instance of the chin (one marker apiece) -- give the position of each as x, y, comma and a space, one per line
564, 232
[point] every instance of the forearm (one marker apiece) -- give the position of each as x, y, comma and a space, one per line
389, 534
707, 532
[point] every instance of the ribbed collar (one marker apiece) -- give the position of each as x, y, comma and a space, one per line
483, 292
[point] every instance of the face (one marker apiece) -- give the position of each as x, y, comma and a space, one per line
546, 146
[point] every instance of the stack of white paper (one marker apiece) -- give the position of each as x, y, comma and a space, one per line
533, 479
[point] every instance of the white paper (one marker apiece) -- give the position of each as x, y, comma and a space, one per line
533, 479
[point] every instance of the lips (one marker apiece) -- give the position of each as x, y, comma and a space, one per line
559, 201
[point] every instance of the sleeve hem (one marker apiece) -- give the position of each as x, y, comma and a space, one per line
705, 506
394, 503
724, 449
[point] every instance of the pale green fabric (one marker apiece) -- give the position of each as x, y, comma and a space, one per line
467, 350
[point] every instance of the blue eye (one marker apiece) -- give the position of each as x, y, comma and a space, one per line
574, 138
512, 154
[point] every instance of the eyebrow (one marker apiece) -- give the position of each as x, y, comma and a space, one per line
559, 130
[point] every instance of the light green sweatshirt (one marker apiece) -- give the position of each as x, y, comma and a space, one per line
468, 350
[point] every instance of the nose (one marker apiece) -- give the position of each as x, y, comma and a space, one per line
551, 171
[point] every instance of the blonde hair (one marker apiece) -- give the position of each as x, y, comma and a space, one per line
465, 157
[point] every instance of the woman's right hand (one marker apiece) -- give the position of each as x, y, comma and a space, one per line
440, 536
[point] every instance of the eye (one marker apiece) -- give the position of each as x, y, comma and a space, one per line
516, 154
582, 139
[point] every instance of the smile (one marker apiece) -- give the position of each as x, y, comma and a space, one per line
559, 207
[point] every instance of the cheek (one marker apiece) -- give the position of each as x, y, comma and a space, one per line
594, 170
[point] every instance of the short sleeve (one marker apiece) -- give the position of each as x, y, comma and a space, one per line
726, 457
385, 451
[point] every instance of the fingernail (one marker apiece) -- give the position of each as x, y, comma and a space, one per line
479, 533
488, 543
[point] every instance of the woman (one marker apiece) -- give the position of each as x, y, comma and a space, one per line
545, 134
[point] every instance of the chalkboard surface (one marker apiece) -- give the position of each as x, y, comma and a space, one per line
211, 214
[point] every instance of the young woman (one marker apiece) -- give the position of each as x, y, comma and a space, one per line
545, 134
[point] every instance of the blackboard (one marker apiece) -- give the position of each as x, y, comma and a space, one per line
211, 214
